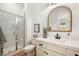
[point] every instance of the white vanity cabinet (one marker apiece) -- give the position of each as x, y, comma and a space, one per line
44, 48
40, 48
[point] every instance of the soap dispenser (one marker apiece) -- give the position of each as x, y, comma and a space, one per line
68, 36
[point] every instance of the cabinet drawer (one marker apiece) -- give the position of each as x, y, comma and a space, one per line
56, 49
41, 44
72, 53
51, 53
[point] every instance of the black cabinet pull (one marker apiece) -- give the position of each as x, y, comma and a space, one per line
46, 53
41, 44
76, 55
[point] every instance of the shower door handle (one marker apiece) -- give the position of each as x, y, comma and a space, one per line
14, 33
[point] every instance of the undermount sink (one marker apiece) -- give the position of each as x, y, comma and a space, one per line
65, 41
61, 41
70, 42
57, 40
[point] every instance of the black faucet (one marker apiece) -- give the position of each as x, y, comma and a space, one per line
57, 36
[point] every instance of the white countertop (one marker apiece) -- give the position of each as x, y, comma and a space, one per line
71, 44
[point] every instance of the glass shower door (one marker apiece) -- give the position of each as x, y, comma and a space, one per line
13, 30
20, 32
8, 25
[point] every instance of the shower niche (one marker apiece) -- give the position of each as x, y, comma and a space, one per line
13, 28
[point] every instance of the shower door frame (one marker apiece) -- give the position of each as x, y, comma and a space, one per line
16, 25
16, 35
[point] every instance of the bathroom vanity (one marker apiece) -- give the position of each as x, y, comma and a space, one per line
53, 47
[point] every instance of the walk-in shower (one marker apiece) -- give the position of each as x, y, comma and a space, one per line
13, 28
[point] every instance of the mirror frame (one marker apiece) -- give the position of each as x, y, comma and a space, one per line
49, 29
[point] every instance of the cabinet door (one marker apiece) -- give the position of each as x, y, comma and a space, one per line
40, 51
72, 53
51, 53
56, 48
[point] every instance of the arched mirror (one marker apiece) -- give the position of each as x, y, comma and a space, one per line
60, 19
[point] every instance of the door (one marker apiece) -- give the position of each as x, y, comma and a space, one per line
40, 51
20, 32
13, 30
8, 26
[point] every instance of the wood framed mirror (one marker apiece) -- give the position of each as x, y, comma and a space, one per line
60, 19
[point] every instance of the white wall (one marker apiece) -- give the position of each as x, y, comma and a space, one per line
28, 24
75, 20
42, 17
32, 14
15, 8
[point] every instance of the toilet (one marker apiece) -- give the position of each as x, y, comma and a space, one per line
30, 50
